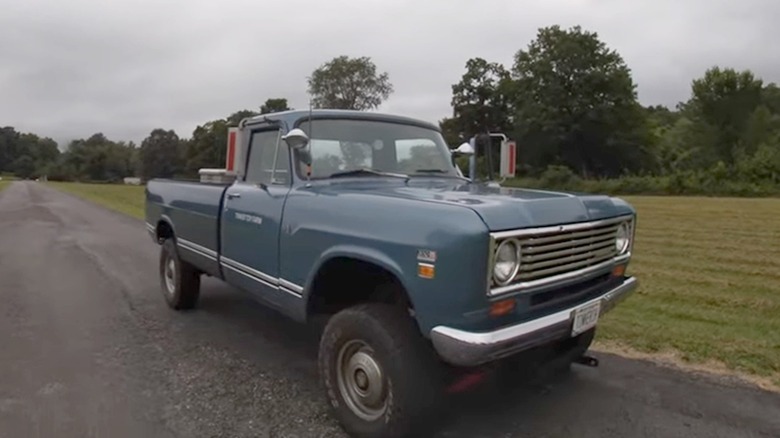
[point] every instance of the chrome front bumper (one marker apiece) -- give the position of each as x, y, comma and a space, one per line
462, 348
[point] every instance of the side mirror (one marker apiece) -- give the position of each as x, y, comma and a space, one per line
296, 139
464, 149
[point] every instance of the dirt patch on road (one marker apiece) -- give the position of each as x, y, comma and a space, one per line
674, 359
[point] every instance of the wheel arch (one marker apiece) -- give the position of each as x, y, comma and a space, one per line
368, 264
164, 229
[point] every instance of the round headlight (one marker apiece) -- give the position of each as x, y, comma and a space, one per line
507, 262
623, 238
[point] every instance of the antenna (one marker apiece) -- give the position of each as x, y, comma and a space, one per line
310, 111
311, 161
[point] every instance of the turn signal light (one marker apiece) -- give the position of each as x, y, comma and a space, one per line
425, 270
618, 270
500, 308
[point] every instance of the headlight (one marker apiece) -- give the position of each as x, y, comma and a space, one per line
507, 262
623, 238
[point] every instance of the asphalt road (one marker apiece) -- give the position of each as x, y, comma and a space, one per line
88, 348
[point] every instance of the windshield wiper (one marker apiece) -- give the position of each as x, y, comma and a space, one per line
366, 171
440, 171
430, 171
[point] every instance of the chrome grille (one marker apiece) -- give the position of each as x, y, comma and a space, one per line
552, 253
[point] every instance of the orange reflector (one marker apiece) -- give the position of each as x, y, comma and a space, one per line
618, 270
425, 270
500, 308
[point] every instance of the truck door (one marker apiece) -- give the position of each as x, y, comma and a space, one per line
251, 218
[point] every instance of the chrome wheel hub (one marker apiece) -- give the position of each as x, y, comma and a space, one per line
170, 276
361, 381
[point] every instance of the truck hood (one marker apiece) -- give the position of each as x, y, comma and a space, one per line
501, 208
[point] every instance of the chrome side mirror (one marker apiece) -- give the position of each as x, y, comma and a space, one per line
464, 149
468, 149
296, 139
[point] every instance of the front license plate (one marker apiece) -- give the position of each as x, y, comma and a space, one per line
585, 318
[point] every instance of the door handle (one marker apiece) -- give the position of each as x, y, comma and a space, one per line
233, 195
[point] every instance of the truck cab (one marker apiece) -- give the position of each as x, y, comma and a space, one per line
421, 273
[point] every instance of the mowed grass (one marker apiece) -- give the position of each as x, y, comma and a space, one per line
127, 199
709, 271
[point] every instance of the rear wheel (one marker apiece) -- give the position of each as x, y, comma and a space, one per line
380, 377
179, 281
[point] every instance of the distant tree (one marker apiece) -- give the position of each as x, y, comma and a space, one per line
97, 159
684, 146
135, 159
206, 147
725, 99
274, 106
9, 145
237, 116
452, 131
660, 116
770, 96
576, 105
760, 128
24, 166
481, 100
159, 155
349, 83
41, 152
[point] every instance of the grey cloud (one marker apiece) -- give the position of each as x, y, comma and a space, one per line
69, 69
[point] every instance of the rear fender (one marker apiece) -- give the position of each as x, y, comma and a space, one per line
166, 220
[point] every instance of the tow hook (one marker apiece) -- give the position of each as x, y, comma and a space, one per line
588, 360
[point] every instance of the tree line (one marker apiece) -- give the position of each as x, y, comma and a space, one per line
568, 100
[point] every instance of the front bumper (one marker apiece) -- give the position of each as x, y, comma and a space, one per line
462, 348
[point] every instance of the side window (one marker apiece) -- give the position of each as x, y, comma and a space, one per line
260, 166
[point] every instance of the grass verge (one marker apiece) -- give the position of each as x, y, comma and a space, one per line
126, 199
709, 271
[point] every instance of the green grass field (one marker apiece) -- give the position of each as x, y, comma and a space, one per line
709, 270
123, 198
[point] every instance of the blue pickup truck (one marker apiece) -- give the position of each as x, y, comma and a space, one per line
423, 275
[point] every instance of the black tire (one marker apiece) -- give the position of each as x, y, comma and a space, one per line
184, 279
393, 341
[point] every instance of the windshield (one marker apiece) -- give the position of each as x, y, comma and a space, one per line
344, 145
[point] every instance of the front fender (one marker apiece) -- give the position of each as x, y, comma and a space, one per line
390, 233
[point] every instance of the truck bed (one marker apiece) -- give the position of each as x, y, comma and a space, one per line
194, 210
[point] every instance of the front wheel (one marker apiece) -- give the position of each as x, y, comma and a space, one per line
179, 281
381, 378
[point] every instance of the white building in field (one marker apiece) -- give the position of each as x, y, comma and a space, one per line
132, 180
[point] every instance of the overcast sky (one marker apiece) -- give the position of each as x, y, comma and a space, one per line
71, 68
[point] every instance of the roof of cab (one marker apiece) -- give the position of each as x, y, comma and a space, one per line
291, 117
